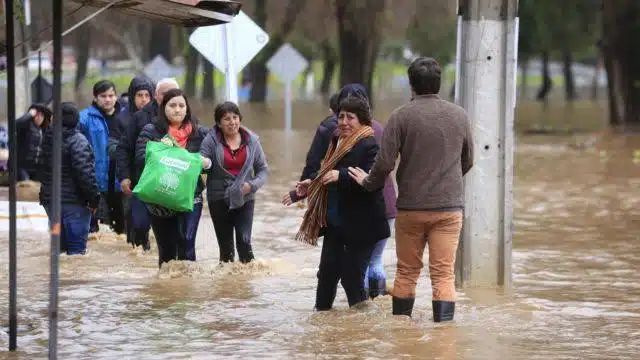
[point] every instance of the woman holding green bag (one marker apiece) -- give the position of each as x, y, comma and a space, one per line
175, 231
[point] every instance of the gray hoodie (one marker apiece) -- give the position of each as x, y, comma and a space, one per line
223, 185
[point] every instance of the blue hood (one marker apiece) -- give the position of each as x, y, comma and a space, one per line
357, 90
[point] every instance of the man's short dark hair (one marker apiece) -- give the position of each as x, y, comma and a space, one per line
425, 76
103, 86
358, 106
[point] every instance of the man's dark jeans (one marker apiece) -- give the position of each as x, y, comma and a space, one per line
176, 235
225, 221
139, 223
341, 263
74, 228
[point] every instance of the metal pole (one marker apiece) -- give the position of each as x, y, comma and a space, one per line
39, 84
287, 106
456, 94
231, 77
488, 67
13, 172
55, 196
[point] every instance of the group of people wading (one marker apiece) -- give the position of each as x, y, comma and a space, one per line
347, 185
352, 200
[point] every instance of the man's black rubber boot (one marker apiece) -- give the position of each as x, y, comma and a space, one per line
403, 306
443, 310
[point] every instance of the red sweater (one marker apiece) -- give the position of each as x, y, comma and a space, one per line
234, 159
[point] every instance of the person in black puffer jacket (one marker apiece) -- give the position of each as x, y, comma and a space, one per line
175, 231
79, 188
140, 93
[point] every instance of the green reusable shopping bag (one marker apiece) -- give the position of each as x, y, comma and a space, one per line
170, 176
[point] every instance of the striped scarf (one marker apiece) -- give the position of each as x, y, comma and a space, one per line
315, 218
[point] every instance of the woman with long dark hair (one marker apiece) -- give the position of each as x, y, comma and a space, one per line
175, 232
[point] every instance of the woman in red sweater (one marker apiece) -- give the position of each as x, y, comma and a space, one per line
236, 169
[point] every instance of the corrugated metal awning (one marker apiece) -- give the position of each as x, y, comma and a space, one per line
187, 13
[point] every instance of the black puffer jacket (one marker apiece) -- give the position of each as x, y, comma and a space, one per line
30, 139
127, 166
128, 131
79, 185
152, 132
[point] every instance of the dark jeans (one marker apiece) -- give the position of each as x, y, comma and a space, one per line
176, 235
139, 223
74, 228
341, 263
113, 214
225, 221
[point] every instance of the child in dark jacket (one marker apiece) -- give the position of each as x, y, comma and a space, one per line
79, 194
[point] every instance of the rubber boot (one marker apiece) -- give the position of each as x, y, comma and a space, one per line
403, 306
377, 288
443, 310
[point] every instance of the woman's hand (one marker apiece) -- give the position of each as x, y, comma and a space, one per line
302, 187
286, 200
206, 162
166, 141
246, 188
330, 177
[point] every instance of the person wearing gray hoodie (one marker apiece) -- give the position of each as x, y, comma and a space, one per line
237, 168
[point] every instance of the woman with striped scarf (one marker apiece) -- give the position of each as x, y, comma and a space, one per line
351, 220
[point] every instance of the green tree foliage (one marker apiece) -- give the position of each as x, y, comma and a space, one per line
432, 30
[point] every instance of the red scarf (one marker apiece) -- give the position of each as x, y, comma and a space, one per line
181, 134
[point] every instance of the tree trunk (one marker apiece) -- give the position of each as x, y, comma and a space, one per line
524, 80
569, 81
191, 67
359, 37
160, 42
258, 67
595, 83
614, 110
330, 57
208, 88
622, 50
547, 83
83, 43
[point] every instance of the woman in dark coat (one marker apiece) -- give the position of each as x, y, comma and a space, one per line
175, 231
30, 128
352, 220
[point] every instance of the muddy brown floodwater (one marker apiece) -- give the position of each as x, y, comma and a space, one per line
576, 292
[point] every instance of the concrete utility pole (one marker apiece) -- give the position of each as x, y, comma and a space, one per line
486, 88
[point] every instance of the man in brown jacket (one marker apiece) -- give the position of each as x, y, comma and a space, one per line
433, 138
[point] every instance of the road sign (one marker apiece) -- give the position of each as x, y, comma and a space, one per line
230, 47
246, 41
287, 63
159, 69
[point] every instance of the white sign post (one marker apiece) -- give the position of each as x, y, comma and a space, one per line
287, 64
230, 47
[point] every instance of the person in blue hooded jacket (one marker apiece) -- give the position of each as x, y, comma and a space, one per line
97, 123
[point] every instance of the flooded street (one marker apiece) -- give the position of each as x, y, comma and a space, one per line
576, 292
